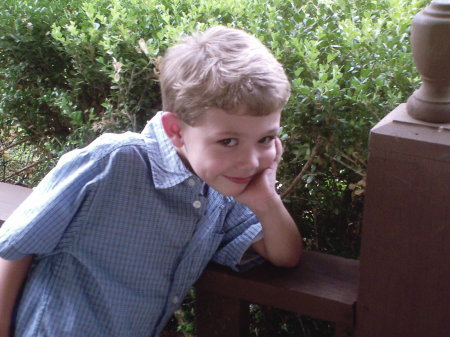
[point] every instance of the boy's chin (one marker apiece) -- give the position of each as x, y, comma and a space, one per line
231, 192
227, 188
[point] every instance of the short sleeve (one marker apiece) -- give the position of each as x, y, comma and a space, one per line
241, 228
37, 225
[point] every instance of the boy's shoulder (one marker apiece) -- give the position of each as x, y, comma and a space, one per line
109, 143
107, 147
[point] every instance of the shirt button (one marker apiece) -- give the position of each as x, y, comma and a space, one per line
175, 299
191, 182
197, 204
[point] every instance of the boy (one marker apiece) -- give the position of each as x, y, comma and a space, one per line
118, 231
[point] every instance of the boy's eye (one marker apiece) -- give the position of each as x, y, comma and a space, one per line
229, 142
267, 140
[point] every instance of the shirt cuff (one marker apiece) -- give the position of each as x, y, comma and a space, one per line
250, 255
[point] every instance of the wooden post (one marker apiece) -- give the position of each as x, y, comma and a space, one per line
430, 40
405, 271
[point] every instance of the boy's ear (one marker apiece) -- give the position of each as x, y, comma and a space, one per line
172, 126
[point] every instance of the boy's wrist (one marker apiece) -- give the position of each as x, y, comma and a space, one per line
268, 204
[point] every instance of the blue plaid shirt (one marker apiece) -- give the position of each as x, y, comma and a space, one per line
121, 230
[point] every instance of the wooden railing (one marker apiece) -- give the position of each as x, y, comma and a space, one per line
322, 286
399, 287
11, 196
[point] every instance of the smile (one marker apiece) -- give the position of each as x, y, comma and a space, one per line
239, 180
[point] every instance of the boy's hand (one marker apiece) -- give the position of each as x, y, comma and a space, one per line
261, 189
281, 243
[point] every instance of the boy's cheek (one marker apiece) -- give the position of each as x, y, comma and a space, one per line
269, 158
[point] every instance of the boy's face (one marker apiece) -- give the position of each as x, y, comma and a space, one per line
226, 150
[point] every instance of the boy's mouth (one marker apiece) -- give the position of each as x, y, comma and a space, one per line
240, 180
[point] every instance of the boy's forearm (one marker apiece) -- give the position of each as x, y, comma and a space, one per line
282, 244
12, 276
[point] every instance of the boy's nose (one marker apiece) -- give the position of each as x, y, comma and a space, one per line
248, 160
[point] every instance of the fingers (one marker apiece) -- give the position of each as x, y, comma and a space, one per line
278, 150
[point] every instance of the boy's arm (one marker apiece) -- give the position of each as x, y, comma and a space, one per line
12, 276
281, 244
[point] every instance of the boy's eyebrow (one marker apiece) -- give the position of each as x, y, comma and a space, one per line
274, 131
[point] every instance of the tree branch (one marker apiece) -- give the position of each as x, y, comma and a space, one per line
26, 168
7, 147
307, 165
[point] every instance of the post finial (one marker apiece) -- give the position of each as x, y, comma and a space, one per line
430, 40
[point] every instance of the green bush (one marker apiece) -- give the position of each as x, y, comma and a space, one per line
71, 70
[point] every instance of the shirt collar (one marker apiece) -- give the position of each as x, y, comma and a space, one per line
167, 168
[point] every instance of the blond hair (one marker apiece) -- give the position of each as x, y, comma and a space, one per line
223, 68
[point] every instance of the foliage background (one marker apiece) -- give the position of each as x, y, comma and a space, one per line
72, 70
